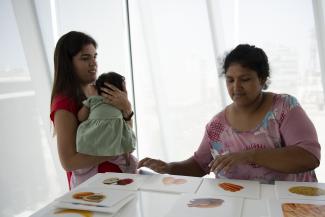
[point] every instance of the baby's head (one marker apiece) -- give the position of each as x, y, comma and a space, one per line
109, 77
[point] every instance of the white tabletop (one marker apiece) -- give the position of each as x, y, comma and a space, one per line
148, 204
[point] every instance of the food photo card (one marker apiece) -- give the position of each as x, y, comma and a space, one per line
172, 183
58, 212
300, 190
122, 181
296, 208
193, 205
95, 199
230, 187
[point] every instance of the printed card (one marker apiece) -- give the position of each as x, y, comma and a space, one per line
171, 183
193, 205
123, 181
230, 187
95, 199
300, 190
296, 208
59, 212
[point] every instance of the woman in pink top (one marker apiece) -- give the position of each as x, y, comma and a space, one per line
260, 136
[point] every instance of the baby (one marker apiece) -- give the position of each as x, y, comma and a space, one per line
103, 131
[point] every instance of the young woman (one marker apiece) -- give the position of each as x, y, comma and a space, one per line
75, 70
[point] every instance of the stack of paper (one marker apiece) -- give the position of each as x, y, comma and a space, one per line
95, 199
172, 183
193, 205
231, 187
121, 181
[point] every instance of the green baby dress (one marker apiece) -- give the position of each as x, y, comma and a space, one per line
104, 133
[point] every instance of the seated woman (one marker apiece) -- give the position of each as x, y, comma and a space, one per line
260, 136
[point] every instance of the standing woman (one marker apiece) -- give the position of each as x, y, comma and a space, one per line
75, 70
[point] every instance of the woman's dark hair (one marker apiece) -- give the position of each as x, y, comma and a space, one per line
65, 80
250, 57
111, 78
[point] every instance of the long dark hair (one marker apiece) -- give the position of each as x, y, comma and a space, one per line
65, 79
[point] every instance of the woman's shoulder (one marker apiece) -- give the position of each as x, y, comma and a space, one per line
283, 104
217, 125
218, 120
62, 97
64, 102
285, 101
220, 116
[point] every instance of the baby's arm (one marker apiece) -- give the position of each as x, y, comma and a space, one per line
83, 113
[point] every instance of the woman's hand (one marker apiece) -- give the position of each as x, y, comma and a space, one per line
157, 165
225, 162
117, 98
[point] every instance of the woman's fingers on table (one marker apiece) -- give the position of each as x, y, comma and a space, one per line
143, 161
162, 169
154, 164
149, 162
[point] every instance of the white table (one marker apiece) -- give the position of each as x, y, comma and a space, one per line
157, 204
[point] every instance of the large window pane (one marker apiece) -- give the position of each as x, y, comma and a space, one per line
176, 81
28, 179
104, 20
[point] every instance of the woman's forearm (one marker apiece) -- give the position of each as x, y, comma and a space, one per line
291, 159
187, 167
81, 161
66, 126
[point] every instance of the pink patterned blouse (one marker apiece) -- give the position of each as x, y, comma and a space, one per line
285, 124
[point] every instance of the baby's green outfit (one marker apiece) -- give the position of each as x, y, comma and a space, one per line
104, 133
